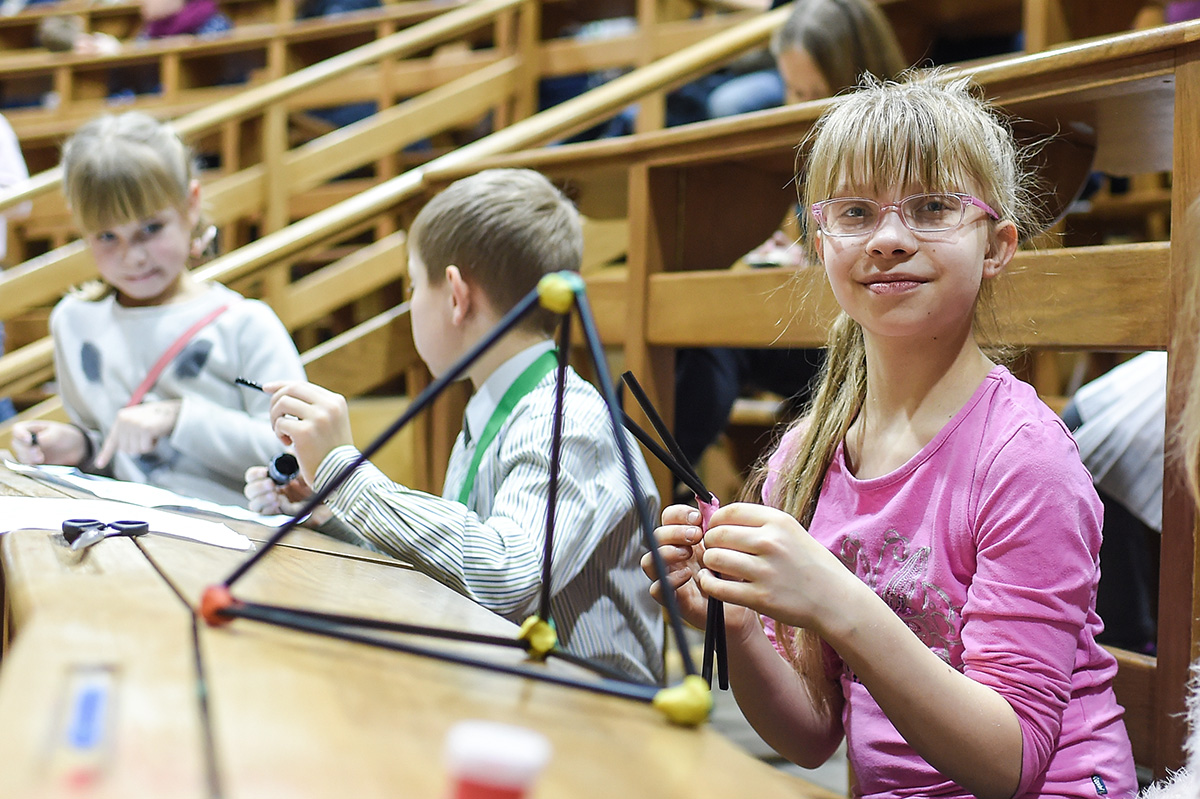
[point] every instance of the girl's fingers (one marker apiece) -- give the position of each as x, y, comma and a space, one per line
732, 565
680, 514
726, 590
746, 514
678, 534
736, 537
673, 557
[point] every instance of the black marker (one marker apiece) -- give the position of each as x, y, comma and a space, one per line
33, 438
241, 381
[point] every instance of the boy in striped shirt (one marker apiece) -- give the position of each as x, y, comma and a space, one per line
475, 250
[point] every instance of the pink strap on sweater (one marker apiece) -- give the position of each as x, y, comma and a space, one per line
168, 356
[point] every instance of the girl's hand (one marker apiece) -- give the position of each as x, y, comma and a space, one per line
48, 442
138, 429
768, 562
269, 498
681, 547
312, 420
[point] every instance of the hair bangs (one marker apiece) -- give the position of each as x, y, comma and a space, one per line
118, 169
122, 196
874, 147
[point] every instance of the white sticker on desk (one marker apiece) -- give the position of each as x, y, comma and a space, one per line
46, 513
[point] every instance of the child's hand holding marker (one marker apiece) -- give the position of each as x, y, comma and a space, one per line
41, 442
313, 421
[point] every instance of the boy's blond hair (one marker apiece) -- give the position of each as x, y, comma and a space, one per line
504, 229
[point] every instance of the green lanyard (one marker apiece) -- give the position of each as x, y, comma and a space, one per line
532, 375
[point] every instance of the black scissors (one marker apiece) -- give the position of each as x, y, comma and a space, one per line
82, 533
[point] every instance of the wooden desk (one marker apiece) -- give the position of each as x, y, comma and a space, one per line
288, 714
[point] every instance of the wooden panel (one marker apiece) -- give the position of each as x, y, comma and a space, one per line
1136, 691
1102, 306
369, 418
1179, 559
365, 356
359, 274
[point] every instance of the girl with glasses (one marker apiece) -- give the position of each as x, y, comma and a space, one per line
922, 576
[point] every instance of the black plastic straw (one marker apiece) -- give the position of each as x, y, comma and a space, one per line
285, 617
676, 461
670, 602
560, 387
664, 433
685, 476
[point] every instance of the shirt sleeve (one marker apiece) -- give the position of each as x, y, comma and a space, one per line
1037, 543
497, 560
226, 438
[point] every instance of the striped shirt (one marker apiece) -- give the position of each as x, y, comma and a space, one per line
491, 548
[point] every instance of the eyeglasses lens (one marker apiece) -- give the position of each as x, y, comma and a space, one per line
922, 213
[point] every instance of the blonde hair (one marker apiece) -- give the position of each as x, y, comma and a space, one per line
504, 229
124, 167
928, 130
846, 38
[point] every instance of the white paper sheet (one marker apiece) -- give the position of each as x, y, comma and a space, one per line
147, 496
47, 513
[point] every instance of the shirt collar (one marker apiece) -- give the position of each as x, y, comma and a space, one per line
483, 403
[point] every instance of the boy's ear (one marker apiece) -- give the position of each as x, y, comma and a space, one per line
460, 294
1002, 246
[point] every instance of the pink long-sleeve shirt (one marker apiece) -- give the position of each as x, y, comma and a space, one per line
986, 543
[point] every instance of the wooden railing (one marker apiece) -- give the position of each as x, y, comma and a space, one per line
43, 279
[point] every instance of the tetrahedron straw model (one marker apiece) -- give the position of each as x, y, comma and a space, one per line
688, 702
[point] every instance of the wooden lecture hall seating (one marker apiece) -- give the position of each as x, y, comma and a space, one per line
675, 208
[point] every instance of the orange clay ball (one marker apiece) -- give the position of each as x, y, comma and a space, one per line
216, 598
